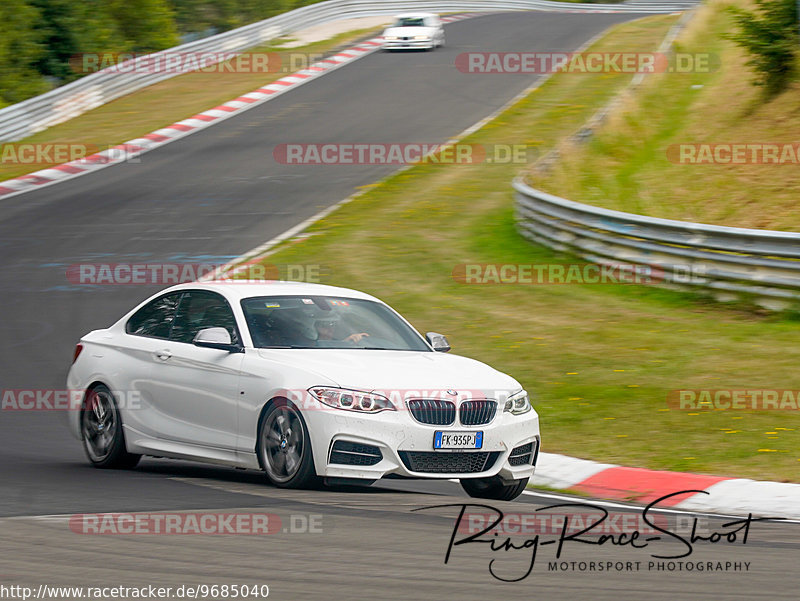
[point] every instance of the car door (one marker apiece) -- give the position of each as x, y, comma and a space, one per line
193, 389
146, 332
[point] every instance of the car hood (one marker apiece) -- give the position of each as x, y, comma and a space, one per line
409, 31
404, 371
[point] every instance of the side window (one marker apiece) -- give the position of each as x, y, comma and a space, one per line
155, 318
201, 309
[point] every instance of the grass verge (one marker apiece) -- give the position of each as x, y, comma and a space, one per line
598, 360
633, 163
171, 100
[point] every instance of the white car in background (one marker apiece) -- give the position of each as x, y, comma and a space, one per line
414, 30
302, 381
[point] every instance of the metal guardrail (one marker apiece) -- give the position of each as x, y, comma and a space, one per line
61, 104
731, 262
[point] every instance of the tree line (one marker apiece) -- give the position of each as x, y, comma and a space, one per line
38, 37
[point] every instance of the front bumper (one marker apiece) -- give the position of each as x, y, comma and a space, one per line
396, 435
407, 44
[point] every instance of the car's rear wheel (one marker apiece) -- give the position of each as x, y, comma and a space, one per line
284, 447
494, 488
101, 430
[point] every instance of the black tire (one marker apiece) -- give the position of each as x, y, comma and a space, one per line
493, 488
284, 448
101, 432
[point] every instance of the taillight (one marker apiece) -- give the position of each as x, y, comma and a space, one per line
78, 349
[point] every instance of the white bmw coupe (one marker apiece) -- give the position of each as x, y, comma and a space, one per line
303, 381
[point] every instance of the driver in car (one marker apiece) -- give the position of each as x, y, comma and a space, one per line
327, 327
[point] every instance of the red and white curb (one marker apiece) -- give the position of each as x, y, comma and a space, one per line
736, 496
133, 148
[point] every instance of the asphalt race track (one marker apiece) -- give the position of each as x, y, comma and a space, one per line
210, 197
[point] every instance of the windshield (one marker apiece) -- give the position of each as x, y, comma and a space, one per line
410, 22
327, 322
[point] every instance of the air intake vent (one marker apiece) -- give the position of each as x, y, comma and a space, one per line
353, 453
430, 462
521, 455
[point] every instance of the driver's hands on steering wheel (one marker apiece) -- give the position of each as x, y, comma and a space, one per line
356, 338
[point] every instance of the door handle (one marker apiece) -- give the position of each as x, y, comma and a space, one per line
163, 355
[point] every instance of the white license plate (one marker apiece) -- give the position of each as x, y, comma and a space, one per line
457, 440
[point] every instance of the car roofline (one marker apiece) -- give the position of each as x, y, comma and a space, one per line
241, 289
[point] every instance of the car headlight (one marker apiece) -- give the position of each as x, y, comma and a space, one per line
352, 400
422, 37
390, 37
518, 403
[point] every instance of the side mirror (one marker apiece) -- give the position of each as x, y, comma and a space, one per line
438, 342
216, 338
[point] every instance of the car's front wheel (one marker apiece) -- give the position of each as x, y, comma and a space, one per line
494, 488
284, 447
101, 430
